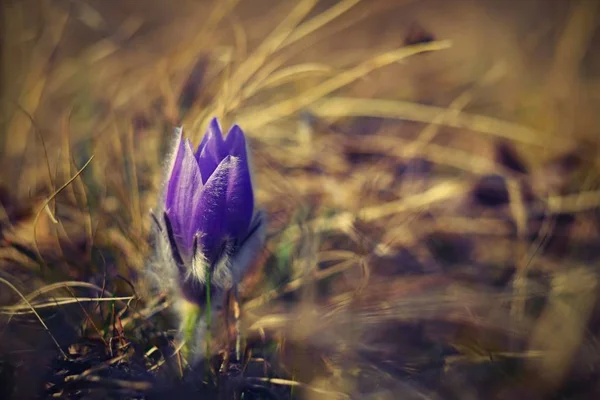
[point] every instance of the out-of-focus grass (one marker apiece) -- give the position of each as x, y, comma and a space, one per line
433, 207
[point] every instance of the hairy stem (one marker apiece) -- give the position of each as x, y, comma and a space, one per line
191, 315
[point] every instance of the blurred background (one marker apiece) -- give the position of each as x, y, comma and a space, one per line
430, 170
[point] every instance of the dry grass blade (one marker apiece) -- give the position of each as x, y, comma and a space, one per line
442, 155
288, 382
35, 82
519, 214
78, 189
258, 118
454, 109
241, 81
97, 368
136, 212
299, 283
289, 74
120, 383
152, 309
37, 216
343, 221
336, 255
442, 191
257, 82
577, 202
319, 21
572, 47
63, 285
301, 32
188, 52
566, 315
57, 302
271, 321
430, 131
352, 107
269, 46
241, 38
243, 73
10, 285
422, 298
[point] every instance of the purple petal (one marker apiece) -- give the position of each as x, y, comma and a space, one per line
211, 151
240, 199
211, 212
175, 169
201, 146
236, 143
183, 196
212, 126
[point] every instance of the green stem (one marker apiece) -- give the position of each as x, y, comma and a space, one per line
191, 316
208, 314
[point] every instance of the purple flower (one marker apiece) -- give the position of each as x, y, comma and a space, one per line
209, 221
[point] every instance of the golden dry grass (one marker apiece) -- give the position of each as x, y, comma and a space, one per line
384, 275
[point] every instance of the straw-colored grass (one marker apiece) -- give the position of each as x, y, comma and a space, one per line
383, 272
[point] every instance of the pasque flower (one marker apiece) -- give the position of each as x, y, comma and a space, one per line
208, 230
